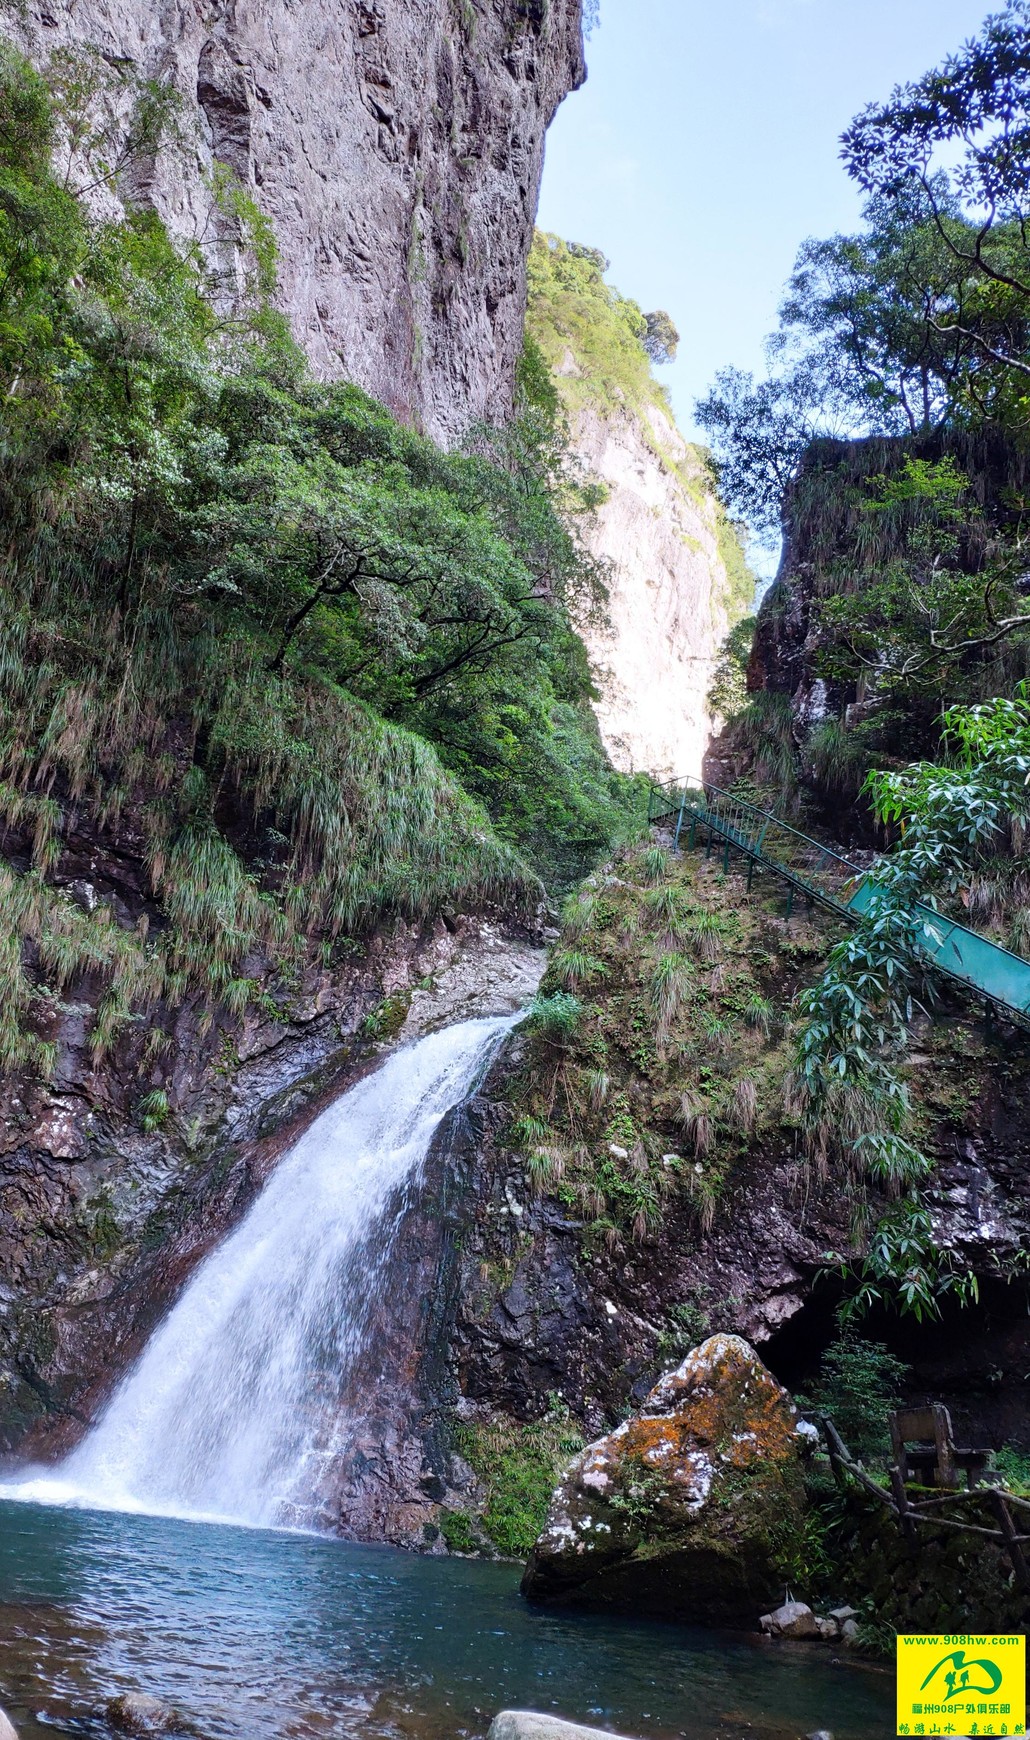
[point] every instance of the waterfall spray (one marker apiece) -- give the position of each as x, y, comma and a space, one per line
234, 1409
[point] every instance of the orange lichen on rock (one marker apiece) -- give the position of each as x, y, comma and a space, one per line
685, 1508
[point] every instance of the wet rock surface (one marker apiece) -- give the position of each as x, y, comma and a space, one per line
138, 1713
397, 150
530, 1725
119, 1216
688, 1507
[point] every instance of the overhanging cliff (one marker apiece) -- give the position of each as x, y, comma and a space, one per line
396, 149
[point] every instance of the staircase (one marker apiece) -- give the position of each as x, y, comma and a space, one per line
824, 877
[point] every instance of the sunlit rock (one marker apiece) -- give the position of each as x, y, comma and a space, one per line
531, 1725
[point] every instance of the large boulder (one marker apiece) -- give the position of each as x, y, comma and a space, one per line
689, 1509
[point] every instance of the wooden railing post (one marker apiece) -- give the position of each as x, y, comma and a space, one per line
1012, 1540
903, 1507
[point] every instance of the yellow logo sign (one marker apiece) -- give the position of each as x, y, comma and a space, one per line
962, 1685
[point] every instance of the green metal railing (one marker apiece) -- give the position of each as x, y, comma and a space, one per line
820, 875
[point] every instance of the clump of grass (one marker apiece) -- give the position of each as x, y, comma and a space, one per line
528, 1132
705, 1193
665, 907
654, 865
760, 1014
545, 1165
579, 915
698, 1124
573, 967
705, 934
671, 986
598, 1085
744, 1103
153, 1111
839, 761
718, 1033
555, 1019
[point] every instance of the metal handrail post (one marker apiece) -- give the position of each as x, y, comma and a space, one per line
679, 822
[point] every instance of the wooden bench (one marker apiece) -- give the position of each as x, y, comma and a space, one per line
925, 1450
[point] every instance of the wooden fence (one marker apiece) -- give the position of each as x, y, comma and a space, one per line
911, 1511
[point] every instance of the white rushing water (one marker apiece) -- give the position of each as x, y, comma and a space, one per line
234, 1408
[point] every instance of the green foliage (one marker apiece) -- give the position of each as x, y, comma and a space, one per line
671, 986
926, 618
661, 337
855, 1101
571, 307
859, 1385
921, 319
727, 694
837, 759
654, 864
602, 1116
573, 313
766, 726
459, 1532
555, 1019
298, 648
387, 1018
956, 142
573, 967
153, 1111
519, 1467
1014, 1467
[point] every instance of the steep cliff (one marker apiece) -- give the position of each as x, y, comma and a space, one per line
396, 149
640, 1182
676, 571
886, 541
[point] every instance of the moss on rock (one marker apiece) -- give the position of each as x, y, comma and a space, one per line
684, 1509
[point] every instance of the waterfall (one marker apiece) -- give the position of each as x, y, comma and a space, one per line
234, 1410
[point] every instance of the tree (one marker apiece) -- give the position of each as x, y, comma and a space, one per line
978, 102
921, 620
759, 432
662, 338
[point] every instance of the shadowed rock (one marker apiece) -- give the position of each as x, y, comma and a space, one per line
689, 1508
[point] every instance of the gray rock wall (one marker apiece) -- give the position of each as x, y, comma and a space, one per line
397, 147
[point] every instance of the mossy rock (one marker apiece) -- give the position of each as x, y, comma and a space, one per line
687, 1509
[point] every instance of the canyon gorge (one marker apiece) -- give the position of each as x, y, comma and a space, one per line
407, 1131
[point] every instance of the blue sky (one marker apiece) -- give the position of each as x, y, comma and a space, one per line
703, 150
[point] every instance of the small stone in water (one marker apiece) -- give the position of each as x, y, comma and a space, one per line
138, 1713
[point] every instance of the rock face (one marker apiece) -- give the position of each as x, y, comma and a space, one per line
396, 148
669, 591
123, 1214
687, 1508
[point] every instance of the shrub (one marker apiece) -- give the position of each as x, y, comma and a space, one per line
859, 1384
